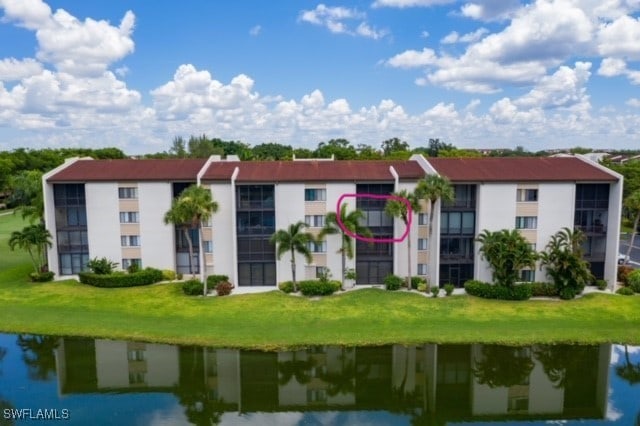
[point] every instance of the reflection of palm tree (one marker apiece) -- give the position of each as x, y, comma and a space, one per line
5, 405
3, 352
503, 366
298, 368
38, 355
629, 371
344, 381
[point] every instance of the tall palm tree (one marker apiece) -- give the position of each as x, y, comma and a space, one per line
433, 188
190, 210
352, 222
293, 240
632, 203
400, 210
34, 239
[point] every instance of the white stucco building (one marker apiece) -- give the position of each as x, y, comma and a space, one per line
115, 209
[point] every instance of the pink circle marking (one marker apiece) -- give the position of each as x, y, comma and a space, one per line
371, 239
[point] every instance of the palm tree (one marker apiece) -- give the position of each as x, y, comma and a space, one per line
190, 210
632, 203
433, 188
351, 222
400, 210
34, 239
293, 240
507, 252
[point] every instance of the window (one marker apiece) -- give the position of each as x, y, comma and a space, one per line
532, 246
526, 222
423, 219
423, 244
136, 378
527, 195
126, 263
135, 355
127, 193
130, 240
314, 221
422, 269
315, 194
208, 246
316, 395
457, 222
129, 217
321, 271
317, 246
527, 275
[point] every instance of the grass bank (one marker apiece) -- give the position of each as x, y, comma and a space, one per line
274, 320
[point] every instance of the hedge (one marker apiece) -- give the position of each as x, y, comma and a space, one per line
286, 286
491, 291
41, 277
393, 282
542, 289
145, 277
193, 287
319, 287
634, 280
214, 280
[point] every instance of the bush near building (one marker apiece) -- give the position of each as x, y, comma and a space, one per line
491, 291
120, 279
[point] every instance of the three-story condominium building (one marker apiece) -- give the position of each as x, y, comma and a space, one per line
115, 209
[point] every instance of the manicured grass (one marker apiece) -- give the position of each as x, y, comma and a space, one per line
272, 320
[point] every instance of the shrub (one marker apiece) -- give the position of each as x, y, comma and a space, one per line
193, 287
133, 268
393, 282
601, 284
179, 275
623, 274
145, 277
541, 289
435, 290
422, 287
286, 286
41, 277
634, 280
318, 287
350, 274
490, 291
625, 291
567, 293
448, 289
168, 275
102, 266
214, 280
224, 288
416, 281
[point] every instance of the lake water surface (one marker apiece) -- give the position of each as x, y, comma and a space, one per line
78, 381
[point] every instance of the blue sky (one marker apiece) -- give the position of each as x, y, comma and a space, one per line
475, 73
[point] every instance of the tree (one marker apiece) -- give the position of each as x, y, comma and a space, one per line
435, 146
507, 252
193, 207
294, 367
367, 152
433, 188
402, 211
565, 264
629, 371
503, 366
38, 355
350, 221
341, 149
393, 145
293, 240
26, 193
632, 203
272, 151
34, 239
178, 147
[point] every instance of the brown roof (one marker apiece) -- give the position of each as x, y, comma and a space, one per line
130, 170
301, 171
521, 169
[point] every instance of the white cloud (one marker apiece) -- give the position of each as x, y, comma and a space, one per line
620, 38
31, 14
410, 3
413, 59
12, 69
336, 20
490, 10
255, 30
565, 88
633, 102
610, 67
472, 37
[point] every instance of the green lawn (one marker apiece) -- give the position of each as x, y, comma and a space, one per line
273, 320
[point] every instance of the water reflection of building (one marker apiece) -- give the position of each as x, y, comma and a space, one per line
437, 382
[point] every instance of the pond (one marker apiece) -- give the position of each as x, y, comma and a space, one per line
94, 381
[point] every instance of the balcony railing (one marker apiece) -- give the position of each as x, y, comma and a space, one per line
592, 229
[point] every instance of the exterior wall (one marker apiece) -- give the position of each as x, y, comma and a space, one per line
224, 232
556, 208
103, 220
156, 239
496, 210
290, 208
400, 249
50, 224
613, 234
